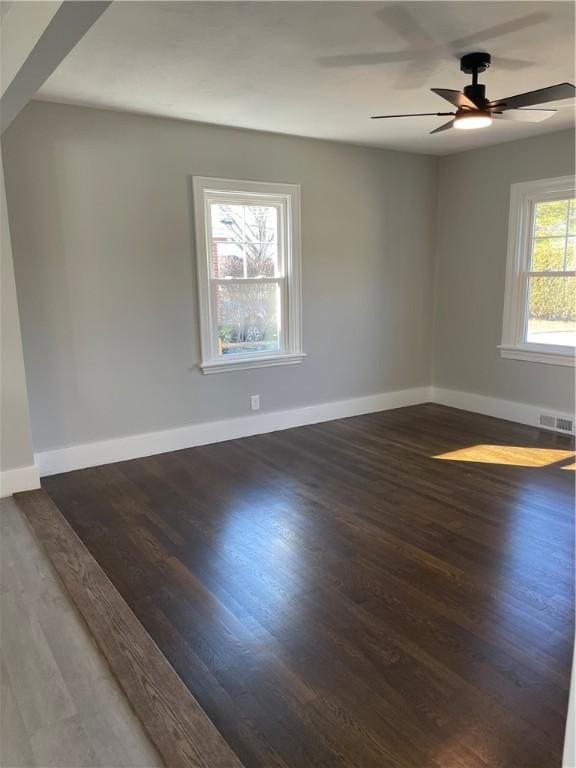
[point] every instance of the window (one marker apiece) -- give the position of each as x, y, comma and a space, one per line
540, 299
248, 253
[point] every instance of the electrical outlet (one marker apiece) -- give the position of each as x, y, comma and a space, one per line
254, 402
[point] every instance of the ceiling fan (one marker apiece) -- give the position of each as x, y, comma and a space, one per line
474, 110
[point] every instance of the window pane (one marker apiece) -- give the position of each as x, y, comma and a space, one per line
227, 222
552, 311
548, 254
227, 259
571, 254
261, 260
572, 218
261, 223
551, 218
248, 318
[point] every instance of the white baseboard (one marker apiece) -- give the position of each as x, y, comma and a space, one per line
135, 446
20, 479
510, 410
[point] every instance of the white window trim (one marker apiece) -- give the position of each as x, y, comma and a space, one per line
287, 195
523, 197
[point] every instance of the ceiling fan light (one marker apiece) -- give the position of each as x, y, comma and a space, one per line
474, 119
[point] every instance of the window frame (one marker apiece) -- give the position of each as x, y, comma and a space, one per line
523, 199
286, 197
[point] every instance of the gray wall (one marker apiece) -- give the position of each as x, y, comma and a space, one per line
15, 441
473, 204
105, 270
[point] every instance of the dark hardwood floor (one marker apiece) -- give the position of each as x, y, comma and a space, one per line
339, 595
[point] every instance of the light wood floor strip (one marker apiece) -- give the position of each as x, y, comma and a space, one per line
174, 720
60, 704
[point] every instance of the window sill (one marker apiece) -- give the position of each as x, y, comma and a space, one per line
540, 353
246, 363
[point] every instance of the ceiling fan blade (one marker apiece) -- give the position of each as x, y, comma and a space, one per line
456, 98
525, 115
444, 127
414, 114
541, 96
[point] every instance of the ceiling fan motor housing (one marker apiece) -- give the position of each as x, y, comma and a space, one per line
477, 93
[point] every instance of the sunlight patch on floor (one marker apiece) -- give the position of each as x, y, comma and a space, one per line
515, 456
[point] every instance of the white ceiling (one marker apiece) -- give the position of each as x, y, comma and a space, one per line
268, 66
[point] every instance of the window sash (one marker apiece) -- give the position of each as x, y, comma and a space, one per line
552, 273
268, 201
552, 237
280, 281
564, 237
526, 307
247, 280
